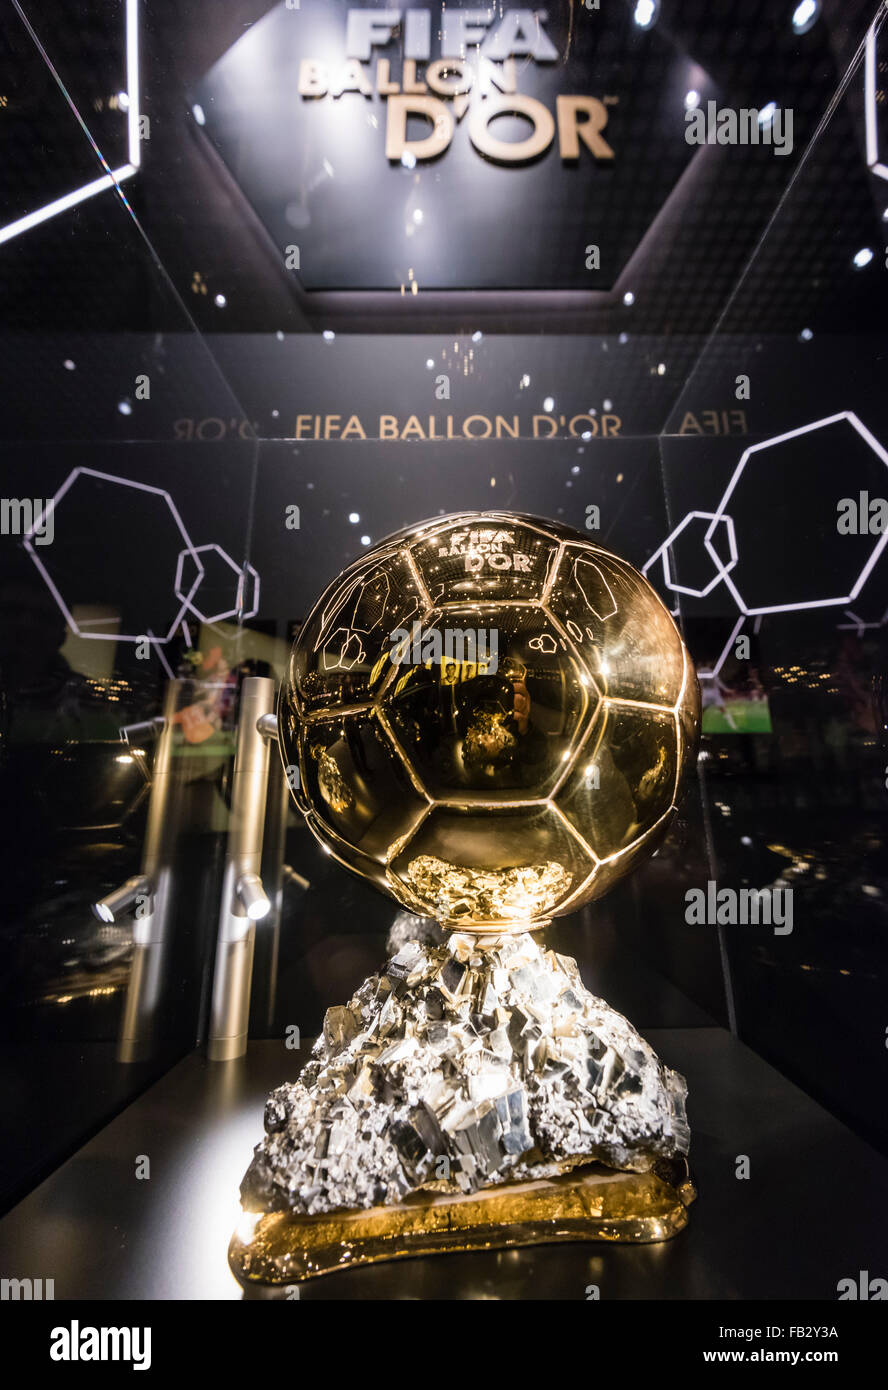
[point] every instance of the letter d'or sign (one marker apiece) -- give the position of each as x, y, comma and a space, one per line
571, 128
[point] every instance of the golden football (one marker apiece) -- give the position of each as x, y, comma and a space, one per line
491, 718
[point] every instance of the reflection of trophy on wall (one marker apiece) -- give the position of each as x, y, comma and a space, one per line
473, 1093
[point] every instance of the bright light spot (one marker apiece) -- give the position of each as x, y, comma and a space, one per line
628, 298
123, 100
68, 365
805, 15
354, 518
246, 1226
624, 337
767, 113
806, 335
124, 407
409, 162
745, 840
328, 335
661, 369
692, 99
123, 758
417, 215
646, 12
220, 301
576, 468
608, 405
430, 362
549, 404
477, 336
863, 257
587, 434
198, 114
525, 380
365, 540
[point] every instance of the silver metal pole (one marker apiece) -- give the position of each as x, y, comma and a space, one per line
151, 919
148, 894
244, 901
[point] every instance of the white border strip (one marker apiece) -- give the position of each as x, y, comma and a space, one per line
117, 176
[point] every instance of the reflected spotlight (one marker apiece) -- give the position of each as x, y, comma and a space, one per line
805, 16
646, 13
110, 908
252, 897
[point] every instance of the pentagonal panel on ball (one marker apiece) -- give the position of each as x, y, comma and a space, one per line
356, 784
488, 703
484, 558
490, 868
624, 779
618, 625
343, 653
610, 871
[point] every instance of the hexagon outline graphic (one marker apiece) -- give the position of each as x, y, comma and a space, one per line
880, 452
112, 177
662, 553
874, 164
239, 597
723, 569
53, 589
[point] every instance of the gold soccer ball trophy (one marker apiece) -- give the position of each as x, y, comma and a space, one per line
492, 718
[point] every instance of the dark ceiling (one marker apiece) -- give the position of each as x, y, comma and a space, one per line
751, 242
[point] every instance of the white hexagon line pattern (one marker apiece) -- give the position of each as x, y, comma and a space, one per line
720, 515
239, 597
662, 554
185, 600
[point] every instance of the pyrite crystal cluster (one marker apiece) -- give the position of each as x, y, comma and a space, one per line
492, 719
461, 1066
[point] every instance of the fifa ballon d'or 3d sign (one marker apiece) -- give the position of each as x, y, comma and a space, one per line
492, 719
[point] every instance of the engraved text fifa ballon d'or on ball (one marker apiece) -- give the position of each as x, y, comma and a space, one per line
492, 718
